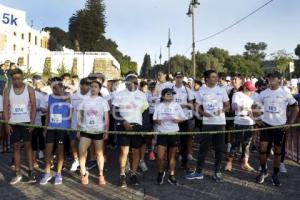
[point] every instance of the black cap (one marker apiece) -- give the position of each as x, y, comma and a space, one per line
178, 74
167, 90
275, 74
152, 84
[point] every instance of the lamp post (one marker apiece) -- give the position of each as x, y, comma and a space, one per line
191, 13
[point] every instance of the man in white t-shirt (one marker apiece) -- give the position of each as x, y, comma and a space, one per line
213, 103
242, 105
274, 101
184, 97
128, 108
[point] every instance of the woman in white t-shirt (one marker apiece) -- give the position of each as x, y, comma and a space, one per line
167, 116
93, 120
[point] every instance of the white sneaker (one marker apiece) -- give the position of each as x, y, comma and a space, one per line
282, 168
191, 158
74, 166
143, 166
41, 154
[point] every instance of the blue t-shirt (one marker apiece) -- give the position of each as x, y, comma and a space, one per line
59, 112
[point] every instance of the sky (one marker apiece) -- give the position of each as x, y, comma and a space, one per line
141, 26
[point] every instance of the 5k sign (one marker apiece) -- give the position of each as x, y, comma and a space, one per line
9, 19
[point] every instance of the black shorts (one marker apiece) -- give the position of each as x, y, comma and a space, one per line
134, 141
20, 133
272, 135
92, 136
56, 136
168, 140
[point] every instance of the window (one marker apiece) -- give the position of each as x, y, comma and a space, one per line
29, 37
22, 36
35, 40
15, 34
41, 43
15, 47
22, 49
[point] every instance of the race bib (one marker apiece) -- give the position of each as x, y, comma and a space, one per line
188, 113
56, 118
211, 106
92, 121
20, 109
273, 108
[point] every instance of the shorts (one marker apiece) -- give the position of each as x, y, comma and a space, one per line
73, 135
56, 136
92, 136
20, 133
272, 135
134, 141
168, 140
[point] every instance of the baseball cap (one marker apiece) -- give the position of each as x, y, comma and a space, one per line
190, 80
167, 90
178, 74
228, 78
249, 86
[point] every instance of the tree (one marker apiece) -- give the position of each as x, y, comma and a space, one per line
47, 68
297, 51
206, 61
255, 51
58, 39
282, 60
62, 69
127, 65
146, 66
220, 54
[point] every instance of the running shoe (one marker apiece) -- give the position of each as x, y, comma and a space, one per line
261, 177
172, 180
31, 177
143, 166
123, 183
74, 166
84, 178
275, 180
46, 178
58, 179
282, 168
218, 177
160, 178
194, 176
134, 180
16, 179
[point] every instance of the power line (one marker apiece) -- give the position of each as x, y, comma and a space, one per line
234, 24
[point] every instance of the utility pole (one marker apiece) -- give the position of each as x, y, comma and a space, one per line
191, 13
169, 52
160, 57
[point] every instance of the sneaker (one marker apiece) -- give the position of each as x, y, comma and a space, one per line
151, 155
46, 178
16, 179
172, 180
160, 178
247, 167
282, 168
74, 166
143, 166
58, 179
91, 164
41, 155
191, 158
261, 177
134, 181
31, 177
275, 180
123, 183
102, 180
84, 178
194, 176
127, 168
218, 177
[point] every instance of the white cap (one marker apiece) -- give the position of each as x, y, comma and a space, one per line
185, 79
190, 80
228, 78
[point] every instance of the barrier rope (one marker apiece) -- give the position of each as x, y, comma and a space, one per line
154, 133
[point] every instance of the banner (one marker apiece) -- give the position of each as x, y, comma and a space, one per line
11, 18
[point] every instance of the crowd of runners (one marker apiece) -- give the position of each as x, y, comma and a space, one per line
80, 113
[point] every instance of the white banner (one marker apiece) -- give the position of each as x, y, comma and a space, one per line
292, 67
11, 18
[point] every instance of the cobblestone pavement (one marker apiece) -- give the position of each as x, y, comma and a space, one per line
238, 184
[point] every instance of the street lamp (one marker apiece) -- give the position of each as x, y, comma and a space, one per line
191, 13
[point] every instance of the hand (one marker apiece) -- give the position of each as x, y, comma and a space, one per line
219, 112
9, 129
127, 126
78, 135
205, 114
45, 132
105, 135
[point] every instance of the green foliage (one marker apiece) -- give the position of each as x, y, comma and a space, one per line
282, 60
58, 39
127, 65
28, 73
47, 68
62, 69
255, 51
297, 51
146, 67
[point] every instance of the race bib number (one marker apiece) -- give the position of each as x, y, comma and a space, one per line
92, 121
273, 108
56, 118
211, 106
188, 114
19, 109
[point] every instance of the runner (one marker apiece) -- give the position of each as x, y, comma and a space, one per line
58, 116
242, 105
128, 107
75, 101
20, 107
274, 100
213, 102
167, 115
93, 113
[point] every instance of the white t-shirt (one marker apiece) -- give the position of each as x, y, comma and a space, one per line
246, 102
94, 109
182, 96
131, 105
212, 100
275, 104
1, 103
105, 93
44, 102
39, 97
76, 99
166, 113
152, 101
161, 86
